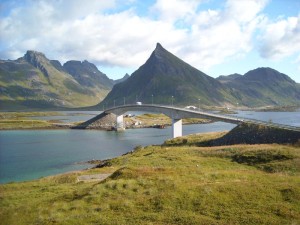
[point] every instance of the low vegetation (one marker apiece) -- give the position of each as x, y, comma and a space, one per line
176, 183
290, 108
161, 119
23, 120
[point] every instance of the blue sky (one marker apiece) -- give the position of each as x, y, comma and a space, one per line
218, 37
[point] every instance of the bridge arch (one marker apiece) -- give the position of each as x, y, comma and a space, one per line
177, 114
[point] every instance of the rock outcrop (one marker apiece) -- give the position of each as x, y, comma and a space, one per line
104, 121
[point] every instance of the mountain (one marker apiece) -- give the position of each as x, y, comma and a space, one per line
126, 76
164, 75
33, 81
225, 79
164, 78
264, 86
87, 74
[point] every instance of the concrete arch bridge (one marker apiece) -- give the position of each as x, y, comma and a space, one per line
177, 114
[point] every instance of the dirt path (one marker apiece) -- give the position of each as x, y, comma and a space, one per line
93, 177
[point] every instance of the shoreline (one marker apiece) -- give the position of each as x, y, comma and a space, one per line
99, 163
221, 138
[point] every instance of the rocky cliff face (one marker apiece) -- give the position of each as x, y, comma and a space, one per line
38, 60
87, 74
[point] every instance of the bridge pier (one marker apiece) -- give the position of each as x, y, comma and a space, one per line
176, 127
120, 123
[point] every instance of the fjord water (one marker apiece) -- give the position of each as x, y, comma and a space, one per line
30, 154
26, 155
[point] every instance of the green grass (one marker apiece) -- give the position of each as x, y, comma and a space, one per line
9, 115
167, 185
150, 119
194, 139
23, 124
21, 120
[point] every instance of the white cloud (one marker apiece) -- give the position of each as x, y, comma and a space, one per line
218, 35
174, 10
244, 10
121, 39
281, 38
73, 29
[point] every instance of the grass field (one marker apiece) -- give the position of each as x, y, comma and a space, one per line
22, 120
168, 184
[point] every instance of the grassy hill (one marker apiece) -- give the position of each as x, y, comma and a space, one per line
168, 185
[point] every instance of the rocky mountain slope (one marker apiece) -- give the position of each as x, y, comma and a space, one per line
33, 81
126, 76
87, 74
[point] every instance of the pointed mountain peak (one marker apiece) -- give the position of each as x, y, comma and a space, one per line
159, 46
159, 49
160, 54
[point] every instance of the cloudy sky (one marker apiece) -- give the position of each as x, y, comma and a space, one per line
219, 37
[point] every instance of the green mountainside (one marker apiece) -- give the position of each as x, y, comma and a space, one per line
33, 81
164, 75
264, 86
226, 78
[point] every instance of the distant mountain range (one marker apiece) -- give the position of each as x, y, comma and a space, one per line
33, 81
164, 75
263, 86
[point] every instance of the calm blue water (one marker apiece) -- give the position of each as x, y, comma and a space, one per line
288, 118
31, 154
